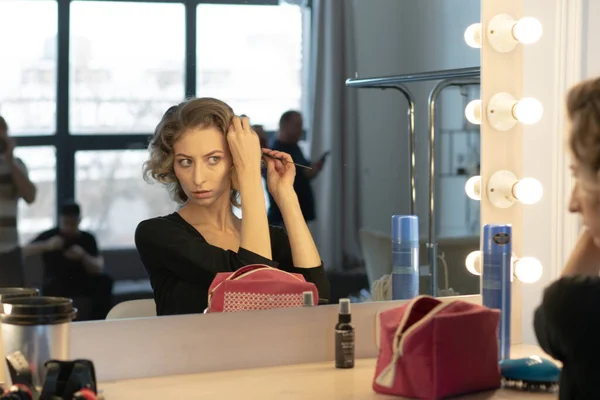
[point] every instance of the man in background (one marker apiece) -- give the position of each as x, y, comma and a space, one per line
291, 130
260, 131
262, 135
72, 263
14, 185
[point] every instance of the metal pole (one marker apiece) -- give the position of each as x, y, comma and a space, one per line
412, 209
432, 242
470, 72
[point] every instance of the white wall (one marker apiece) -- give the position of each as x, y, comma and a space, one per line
565, 54
591, 58
396, 37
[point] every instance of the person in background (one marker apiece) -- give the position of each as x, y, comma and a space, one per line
567, 323
262, 135
210, 160
291, 129
14, 185
72, 263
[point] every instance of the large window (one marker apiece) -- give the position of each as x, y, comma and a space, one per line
28, 65
113, 196
39, 216
125, 77
257, 69
83, 84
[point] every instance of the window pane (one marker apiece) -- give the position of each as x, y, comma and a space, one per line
28, 66
127, 65
114, 197
262, 78
39, 216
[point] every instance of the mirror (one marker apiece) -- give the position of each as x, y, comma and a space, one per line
81, 100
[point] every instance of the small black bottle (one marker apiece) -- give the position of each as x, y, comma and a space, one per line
344, 337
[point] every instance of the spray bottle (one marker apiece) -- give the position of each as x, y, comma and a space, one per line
344, 337
405, 257
496, 275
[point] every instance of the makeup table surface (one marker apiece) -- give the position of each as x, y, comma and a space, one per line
304, 381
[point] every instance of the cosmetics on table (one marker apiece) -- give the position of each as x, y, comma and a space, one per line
344, 337
405, 257
308, 299
496, 288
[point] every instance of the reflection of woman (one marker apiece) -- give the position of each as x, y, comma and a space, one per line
567, 323
209, 158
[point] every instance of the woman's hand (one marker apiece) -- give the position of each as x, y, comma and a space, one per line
280, 175
244, 145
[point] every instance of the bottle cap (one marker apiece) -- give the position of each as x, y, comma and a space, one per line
308, 299
496, 234
344, 306
405, 228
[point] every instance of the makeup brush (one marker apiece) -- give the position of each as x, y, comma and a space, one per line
283, 160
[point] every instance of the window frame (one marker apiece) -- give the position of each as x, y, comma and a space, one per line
66, 142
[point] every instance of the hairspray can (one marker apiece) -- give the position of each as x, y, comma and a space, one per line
496, 278
405, 257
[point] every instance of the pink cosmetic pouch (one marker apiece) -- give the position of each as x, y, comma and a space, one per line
432, 350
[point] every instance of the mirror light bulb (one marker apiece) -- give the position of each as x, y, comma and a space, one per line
527, 30
473, 187
528, 110
473, 262
473, 112
473, 35
528, 191
528, 269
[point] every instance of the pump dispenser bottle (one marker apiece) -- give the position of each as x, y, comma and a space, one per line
344, 337
308, 299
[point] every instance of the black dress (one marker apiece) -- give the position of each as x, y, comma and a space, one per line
182, 264
567, 325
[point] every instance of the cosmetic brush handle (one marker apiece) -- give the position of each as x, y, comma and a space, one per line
283, 160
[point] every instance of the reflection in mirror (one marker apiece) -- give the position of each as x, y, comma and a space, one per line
82, 102
453, 232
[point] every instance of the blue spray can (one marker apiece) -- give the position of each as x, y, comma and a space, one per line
405, 257
496, 252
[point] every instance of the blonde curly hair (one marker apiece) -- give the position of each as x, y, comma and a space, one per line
583, 110
190, 114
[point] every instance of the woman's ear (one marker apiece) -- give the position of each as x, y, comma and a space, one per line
235, 183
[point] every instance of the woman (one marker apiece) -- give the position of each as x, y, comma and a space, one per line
209, 158
567, 323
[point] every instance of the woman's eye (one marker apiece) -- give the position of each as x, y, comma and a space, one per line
185, 162
213, 160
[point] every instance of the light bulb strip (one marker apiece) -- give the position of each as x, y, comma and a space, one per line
531, 273
502, 111
500, 66
502, 35
503, 190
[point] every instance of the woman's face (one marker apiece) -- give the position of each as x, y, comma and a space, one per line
585, 199
202, 165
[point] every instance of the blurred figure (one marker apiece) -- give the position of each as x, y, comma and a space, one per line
260, 131
291, 130
262, 135
14, 184
72, 263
